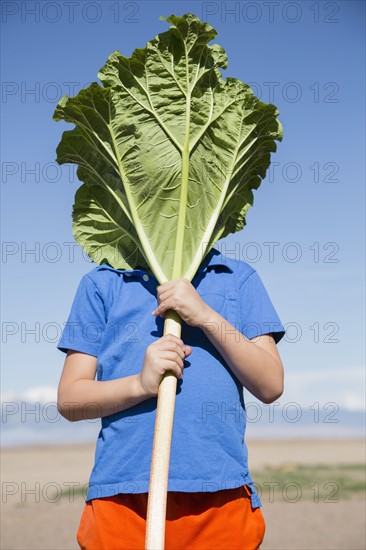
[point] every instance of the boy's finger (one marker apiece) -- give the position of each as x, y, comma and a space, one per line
173, 337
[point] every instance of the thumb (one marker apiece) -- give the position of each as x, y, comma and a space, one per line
187, 349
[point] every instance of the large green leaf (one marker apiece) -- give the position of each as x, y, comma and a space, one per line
169, 152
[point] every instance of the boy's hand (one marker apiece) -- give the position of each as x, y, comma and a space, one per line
181, 296
166, 354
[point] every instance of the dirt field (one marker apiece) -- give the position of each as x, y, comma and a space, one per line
312, 494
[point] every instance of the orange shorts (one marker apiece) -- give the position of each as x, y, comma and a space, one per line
222, 520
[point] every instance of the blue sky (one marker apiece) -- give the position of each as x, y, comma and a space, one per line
305, 57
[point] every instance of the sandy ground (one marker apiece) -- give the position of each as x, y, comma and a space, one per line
34, 516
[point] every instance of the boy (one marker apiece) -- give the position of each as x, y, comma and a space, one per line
229, 334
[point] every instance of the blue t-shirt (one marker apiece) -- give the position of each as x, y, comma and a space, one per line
111, 319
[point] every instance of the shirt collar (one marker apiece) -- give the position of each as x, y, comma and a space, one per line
213, 259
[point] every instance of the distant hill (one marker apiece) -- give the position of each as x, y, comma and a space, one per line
31, 418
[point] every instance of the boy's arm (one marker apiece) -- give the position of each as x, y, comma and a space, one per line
256, 363
80, 397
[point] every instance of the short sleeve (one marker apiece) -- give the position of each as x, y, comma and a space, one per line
257, 313
86, 323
